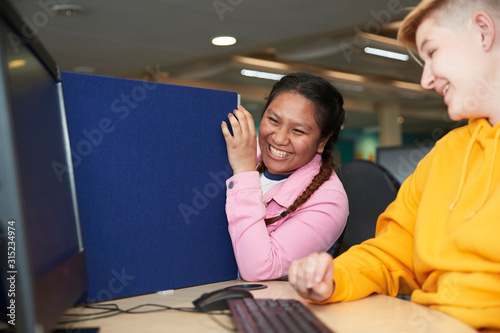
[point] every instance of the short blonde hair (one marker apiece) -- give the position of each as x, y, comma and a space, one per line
451, 9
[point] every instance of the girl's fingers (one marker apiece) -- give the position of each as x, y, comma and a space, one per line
246, 119
250, 122
235, 124
225, 131
242, 124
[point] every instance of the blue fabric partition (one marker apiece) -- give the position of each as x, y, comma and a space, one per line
150, 164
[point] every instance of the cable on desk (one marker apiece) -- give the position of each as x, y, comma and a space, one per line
218, 322
106, 307
111, 309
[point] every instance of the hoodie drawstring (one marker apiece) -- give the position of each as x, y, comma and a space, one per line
464, 169
490, 175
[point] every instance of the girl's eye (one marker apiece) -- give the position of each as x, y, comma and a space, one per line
298, 131
272, 120
430, 53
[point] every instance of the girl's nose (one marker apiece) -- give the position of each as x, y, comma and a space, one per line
281, 136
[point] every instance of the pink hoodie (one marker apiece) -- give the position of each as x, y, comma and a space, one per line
265, 253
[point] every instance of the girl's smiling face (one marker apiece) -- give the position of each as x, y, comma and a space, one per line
289, 136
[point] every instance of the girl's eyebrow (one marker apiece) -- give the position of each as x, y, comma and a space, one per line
304, 125
273, 113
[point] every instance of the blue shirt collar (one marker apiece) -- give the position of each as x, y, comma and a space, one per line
272, 176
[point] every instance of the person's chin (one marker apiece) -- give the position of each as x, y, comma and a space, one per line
275, 168
456, 114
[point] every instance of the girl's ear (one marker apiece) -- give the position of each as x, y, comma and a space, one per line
322, 143
486, 26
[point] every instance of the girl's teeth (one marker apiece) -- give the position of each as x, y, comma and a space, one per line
278, 153
446, 89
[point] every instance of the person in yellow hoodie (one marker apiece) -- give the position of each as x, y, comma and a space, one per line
439, 239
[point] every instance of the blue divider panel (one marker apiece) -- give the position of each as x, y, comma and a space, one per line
150, 164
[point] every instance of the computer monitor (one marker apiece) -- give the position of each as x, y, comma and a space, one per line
42, 258
401, 161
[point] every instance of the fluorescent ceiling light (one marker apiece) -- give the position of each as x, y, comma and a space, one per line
261, 75
387, 54
350, 87
223, 41
268, 64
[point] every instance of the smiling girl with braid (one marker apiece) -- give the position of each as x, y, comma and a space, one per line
284, 200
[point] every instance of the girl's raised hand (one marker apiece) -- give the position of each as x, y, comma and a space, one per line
242, 144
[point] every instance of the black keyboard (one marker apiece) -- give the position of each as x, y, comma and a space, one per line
262, 315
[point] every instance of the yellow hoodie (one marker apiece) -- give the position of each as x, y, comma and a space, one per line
440, 238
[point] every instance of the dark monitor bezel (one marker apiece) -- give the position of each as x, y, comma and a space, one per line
424, 148
38, 306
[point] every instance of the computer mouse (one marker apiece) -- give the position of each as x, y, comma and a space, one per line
217, 299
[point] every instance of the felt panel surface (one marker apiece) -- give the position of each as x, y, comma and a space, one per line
150, 164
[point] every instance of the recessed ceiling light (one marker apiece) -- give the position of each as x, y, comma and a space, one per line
224, 41
17, 63
67, 10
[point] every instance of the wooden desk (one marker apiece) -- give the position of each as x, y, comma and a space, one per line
373, 314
